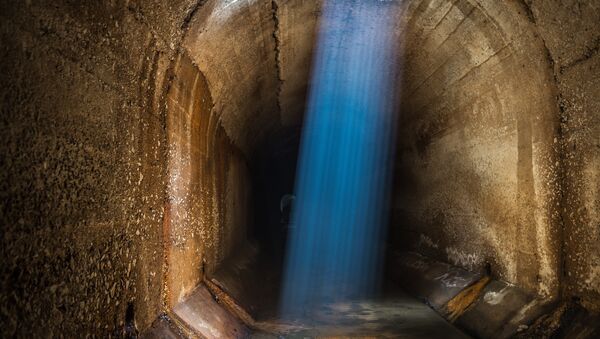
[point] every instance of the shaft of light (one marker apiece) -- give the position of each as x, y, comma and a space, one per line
338, 219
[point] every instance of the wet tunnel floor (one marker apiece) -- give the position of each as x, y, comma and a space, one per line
393, 317
253, 284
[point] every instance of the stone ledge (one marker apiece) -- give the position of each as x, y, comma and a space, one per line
482, 307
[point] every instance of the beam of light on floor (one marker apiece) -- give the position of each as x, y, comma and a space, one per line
338, 218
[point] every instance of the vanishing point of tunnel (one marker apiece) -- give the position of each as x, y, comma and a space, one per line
151, 154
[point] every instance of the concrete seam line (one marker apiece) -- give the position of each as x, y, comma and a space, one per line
277, 50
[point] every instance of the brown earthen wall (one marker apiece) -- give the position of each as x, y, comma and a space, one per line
82, 174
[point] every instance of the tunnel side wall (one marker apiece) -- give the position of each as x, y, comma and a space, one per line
498, 141
208, 187
571, 33
477, 172
82, 173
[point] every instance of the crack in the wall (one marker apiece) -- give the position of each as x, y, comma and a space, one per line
277, 50
452, 5
172, 43
588, 54
528, 12
190, 14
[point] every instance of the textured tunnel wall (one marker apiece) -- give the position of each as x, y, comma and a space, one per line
91, 219
570, 31
498, 151
498, 140
233, 45
82, 173
256, 57
227, 96
208, 187
477, 173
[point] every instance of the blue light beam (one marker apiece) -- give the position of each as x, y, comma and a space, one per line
344, 170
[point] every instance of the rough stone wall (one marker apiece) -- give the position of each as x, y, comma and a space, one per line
86, 157
82, 170
571, 32
477, 172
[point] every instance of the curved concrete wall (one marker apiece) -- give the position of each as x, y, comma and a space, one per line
208, 189
498, 148
570, 31
477, 174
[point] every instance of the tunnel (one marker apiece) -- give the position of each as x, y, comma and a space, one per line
150, 154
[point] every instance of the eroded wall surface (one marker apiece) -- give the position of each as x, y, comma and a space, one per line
82, 174
498, 141
571, 32
256, 57
116, 188
233, 45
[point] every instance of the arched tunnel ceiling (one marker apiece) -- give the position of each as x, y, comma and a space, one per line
256, 58
256, 55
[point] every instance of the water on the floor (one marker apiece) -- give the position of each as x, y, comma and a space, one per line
254, 282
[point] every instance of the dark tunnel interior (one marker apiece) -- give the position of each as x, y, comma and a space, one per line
149, 156
274, 178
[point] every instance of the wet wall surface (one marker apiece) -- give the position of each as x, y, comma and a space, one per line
477, 173
208, 189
